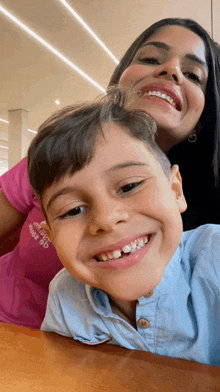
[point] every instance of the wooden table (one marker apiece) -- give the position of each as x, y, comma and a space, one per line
32, 360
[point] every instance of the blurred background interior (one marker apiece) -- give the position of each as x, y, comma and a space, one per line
49, 59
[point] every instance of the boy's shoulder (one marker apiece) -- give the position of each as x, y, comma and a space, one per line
202, 246
64, 282
70, 311
202, 236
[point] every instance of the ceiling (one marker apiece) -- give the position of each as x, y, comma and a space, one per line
32, 78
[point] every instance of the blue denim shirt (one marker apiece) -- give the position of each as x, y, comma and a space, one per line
182, 316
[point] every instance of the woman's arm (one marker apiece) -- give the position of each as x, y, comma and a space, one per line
10, 218
10, 221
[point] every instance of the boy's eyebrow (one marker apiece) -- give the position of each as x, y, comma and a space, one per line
119, 166
126, 164
62, 191
190, 56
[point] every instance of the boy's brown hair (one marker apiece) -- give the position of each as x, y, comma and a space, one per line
66, 142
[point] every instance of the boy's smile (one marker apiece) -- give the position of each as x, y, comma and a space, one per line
119, 204
121, 255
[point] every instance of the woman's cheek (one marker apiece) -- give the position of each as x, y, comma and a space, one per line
196, 99
129, 76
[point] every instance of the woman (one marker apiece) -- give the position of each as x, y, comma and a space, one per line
175, 66
178, 57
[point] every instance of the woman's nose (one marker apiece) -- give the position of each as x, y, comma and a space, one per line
107, 216
170, 71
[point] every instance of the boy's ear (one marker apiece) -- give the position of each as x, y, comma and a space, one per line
46, 228
176, 184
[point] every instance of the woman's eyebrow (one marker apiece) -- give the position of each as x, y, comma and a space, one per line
160, 45
190, 56
196, 59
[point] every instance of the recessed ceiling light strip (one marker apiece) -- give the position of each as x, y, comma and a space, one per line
51, 48
7, 122
74, 13
31, 130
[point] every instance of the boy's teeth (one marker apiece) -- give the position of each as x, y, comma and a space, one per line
131, 248
116, 254
126, 249
140, 243
103, 257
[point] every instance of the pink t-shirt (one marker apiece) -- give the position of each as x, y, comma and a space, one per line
26, 272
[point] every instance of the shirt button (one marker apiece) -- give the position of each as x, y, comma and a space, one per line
143, 323
149, 294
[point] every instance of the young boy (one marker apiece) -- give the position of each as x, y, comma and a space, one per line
113, 206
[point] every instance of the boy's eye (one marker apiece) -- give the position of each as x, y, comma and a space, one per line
129, 187
73, 212
149, 60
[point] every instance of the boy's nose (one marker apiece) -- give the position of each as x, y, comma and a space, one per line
106, 216
170, 71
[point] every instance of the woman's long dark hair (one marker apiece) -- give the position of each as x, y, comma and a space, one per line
209, 122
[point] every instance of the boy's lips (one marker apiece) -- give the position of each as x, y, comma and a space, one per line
119, 244
126, 261
171, 94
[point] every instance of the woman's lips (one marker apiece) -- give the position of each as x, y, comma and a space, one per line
168, 90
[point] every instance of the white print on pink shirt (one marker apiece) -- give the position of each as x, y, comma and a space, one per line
38, 233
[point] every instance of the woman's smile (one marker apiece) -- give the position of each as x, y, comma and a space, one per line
171, 74
162, 92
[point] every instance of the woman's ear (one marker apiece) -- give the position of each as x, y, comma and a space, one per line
46, 228
176, 184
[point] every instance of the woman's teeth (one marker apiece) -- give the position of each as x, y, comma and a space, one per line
159, 94
127, 249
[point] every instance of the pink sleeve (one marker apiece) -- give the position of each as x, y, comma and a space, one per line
17, 188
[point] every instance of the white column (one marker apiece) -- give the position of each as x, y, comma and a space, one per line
17, 136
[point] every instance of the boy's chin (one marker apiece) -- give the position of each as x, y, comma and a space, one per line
139, 287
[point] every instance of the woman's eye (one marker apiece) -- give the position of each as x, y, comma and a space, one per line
129, 187
73, 212
193, 77
149, 60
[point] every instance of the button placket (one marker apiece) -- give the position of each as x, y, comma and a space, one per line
146, 318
